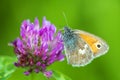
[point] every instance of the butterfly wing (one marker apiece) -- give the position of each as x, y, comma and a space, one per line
80, 54
97, 45
82, 47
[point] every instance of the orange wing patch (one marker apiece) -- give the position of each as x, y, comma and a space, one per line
90, 41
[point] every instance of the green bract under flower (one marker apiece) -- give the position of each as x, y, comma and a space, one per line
38, 47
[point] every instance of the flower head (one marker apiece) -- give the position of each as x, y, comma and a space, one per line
38, 47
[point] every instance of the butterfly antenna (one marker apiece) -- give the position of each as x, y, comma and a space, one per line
65, 18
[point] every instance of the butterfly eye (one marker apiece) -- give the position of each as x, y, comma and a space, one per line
98, 45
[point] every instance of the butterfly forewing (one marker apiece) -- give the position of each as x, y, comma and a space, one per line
97, 45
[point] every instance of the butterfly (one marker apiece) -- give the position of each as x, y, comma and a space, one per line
82, 47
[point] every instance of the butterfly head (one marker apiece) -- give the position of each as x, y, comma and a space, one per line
68, 31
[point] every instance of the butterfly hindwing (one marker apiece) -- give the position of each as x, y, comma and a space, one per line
80, 56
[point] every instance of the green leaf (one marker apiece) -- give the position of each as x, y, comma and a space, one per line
6, 66
60, 76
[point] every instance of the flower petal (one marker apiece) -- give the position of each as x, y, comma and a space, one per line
48, 74
27, 73
36, 23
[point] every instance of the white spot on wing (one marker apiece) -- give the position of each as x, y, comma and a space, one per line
84, 50
81, 51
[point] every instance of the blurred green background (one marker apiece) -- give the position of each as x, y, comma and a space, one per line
100, 17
